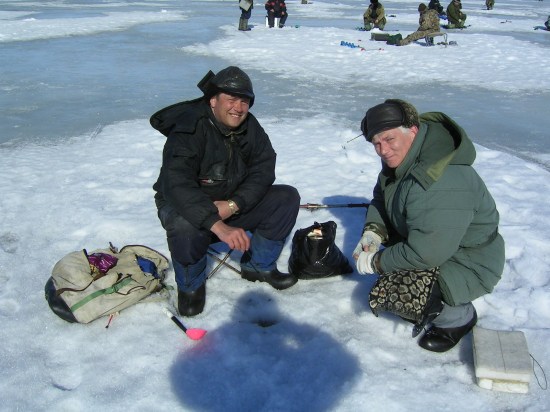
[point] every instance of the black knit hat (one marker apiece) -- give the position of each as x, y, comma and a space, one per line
388, 115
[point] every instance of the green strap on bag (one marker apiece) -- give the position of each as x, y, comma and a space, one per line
112, 289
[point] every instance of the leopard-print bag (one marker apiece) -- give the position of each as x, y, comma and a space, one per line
405, 292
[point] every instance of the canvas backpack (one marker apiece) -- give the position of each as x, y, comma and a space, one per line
85, 286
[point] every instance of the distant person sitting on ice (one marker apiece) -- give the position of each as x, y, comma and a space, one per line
429, 23
455, 16
375, 16
547, 23
276, 9
489, 4
435, 5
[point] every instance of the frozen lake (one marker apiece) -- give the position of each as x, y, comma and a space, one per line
59, 87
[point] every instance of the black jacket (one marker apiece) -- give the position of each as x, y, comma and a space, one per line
278, 6
203, 162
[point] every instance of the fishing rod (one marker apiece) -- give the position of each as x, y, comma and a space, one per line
316, 206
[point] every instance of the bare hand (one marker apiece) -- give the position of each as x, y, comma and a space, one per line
234, 237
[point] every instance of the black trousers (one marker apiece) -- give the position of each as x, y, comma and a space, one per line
271, 18
273, 218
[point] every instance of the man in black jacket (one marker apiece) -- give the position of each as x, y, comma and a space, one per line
216, 183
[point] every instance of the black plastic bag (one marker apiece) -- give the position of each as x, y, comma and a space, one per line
314, 254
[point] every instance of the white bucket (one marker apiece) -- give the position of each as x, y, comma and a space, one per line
276, 22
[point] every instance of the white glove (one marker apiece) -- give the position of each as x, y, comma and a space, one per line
365, 263
370, 242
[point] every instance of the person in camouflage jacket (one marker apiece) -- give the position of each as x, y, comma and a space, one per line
429, 23
375, 16
454, 15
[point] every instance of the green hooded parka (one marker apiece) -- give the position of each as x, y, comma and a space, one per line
435, 210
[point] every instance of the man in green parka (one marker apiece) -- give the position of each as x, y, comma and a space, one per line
435, 219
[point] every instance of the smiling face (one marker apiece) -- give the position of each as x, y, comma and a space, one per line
230, 110
393, 145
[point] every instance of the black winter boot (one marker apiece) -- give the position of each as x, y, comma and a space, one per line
275, 278
259, 263
442, 339
192, 303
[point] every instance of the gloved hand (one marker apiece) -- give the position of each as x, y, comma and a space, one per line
370, 241
365, 263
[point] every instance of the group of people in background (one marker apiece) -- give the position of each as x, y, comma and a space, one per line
276, 13
375, 17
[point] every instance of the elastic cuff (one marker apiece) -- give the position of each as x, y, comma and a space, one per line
378, 229
376, 262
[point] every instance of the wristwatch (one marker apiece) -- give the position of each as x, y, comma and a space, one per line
232, 206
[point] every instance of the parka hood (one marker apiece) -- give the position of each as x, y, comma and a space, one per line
165, 120
440, 142
184, 116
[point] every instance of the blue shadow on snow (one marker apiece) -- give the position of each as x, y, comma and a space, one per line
261, 361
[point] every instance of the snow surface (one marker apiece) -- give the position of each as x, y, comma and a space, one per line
315, 346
